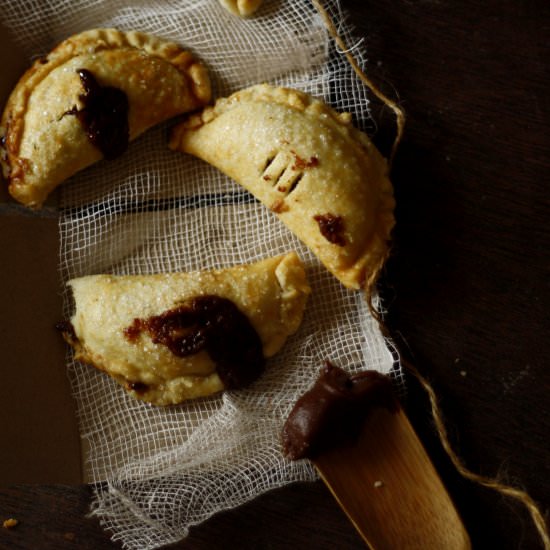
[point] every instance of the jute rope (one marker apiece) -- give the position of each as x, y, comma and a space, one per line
490, 483
399, 113
522, 496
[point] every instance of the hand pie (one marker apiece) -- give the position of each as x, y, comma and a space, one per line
170, 337
322, 177
91, 95
244, 8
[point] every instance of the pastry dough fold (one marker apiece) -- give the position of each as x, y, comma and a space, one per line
271, 294
321, 176
42, 143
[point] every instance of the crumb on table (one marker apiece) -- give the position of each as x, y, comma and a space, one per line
9, 523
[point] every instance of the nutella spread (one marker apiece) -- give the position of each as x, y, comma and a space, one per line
213, 324
332, 228
104, 115
332, 412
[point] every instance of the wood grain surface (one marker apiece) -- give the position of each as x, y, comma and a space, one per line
466, 287
389, 489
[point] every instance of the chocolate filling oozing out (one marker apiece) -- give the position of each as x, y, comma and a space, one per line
104, 115
332, 228
213, 324
333, 411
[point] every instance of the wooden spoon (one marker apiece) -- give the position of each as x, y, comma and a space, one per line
389, 489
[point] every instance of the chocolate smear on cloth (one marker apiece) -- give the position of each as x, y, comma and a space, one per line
333, 411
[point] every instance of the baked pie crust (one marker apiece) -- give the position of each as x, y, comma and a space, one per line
271, 294
42, 143
243, 8
321, 176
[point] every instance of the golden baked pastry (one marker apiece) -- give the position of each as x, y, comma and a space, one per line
244, 8
91, 95
321, 176
170, 337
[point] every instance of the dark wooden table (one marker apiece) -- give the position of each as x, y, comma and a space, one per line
467, 286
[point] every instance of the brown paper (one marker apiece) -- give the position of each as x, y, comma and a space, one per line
40, 442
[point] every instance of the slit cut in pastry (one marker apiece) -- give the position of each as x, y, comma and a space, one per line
322, 177
84, 101
171, 337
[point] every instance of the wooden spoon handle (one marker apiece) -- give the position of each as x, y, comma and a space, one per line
390, 490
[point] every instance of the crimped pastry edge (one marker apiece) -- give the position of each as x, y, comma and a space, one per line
361, 275
89, 41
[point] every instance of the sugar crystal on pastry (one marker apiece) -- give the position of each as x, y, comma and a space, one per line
322, 177
175, 336
45, 134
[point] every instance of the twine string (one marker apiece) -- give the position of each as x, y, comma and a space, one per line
490, 483
347, 52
